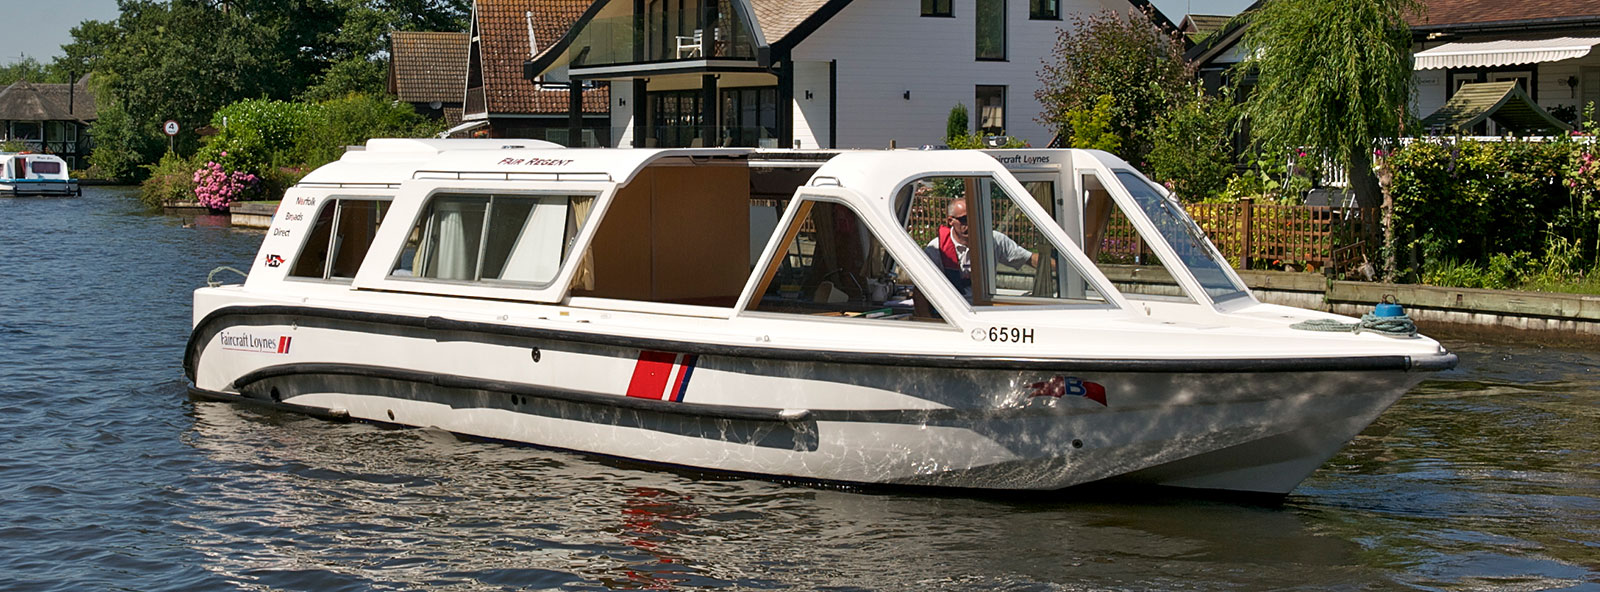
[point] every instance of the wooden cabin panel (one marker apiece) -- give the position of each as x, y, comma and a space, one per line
621, 246
701, 232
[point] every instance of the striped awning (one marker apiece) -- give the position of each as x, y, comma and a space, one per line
1505, 52
1503, 102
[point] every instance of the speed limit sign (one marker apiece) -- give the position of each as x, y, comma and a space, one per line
170, 127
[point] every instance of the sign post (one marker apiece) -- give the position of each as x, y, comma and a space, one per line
170, 128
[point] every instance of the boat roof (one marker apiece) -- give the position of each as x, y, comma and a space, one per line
393, 161
31, 155
390, 161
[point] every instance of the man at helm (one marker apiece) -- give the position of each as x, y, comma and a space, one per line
949, 250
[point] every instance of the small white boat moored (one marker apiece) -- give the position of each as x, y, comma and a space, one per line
819, 316
29, 174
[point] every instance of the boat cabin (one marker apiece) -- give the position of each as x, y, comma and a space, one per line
857, 236
24, 173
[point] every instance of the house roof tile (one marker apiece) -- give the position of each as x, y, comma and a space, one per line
428, 66
1464, 12
503, 27
778, 18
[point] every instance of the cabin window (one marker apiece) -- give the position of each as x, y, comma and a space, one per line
830, 264
1019, 265
339, 238
1181, 233
936, 8
991, 29
482, 237
44, 167
1119, 249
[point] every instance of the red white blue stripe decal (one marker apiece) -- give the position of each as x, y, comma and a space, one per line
662, 376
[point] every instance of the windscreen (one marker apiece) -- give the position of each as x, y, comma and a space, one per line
1194, 251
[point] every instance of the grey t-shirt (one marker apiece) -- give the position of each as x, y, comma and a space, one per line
1006, 251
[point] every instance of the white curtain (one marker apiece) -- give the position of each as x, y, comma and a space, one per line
453, 261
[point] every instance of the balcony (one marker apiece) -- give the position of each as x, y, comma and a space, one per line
662, 37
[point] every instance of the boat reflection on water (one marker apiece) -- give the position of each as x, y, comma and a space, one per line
303, 500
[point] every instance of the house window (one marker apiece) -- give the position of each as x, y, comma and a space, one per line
676, 119
991, 101
750, 117
936, 8
1044, 10
991, 42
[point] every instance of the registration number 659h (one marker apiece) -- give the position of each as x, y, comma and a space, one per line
1003, 335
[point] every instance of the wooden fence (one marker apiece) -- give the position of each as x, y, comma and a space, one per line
1250, 235
1270, 236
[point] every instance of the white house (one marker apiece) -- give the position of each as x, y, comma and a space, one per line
814, 73
1547, 48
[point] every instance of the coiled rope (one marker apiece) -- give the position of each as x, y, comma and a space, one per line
1399, 326
211, 277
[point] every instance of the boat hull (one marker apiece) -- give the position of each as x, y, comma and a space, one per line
32, 188
976, 424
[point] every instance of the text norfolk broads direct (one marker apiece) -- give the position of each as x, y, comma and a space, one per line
1018, 319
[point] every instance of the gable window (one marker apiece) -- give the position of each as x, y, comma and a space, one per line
991, 101
937, 8
477, 237
991, 42
1044, 10
339, 238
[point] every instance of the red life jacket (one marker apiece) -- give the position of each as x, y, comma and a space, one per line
947, 250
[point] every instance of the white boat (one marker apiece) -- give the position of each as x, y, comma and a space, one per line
782, 314
23, 174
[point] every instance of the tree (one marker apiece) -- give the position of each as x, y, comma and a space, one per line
90, 41
1127, 57
185, 59
28, 69
1331, 77
1192, 147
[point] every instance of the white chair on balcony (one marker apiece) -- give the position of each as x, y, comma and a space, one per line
689, 46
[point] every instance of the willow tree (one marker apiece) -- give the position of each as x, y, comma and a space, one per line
1331, 78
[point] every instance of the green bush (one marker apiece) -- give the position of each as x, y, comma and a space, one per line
355, 119
1092, 127
171, 180
1469, 200
1192, 147
121, 145
955, 124
256, 135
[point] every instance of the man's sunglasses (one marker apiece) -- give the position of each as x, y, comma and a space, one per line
961, 219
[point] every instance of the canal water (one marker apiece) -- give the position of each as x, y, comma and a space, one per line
1486, 478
